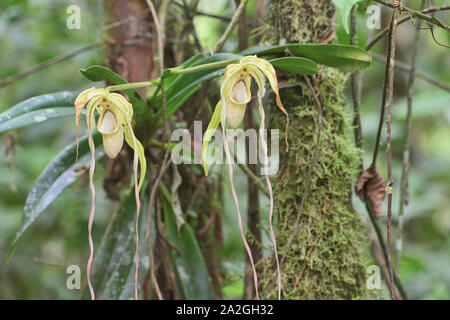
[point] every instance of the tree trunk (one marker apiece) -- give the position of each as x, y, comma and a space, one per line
130, 52
326, 259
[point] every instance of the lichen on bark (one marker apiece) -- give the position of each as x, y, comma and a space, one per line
326, 260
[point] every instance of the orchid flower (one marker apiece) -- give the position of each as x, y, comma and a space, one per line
114, 124
235, 95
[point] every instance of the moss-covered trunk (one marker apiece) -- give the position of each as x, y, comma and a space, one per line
326, 259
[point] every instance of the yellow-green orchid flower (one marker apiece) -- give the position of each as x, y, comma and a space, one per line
114, 124
235, 94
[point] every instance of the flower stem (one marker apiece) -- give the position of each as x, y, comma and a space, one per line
132, 85
167, 72
205, 66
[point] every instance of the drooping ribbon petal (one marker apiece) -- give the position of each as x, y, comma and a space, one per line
90, 119
213, 124
236, 201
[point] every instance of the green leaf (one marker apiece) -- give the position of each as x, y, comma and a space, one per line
334, 55
213, 124
38, 109
295, 65
100, 73
59, 174
36, 117
114, 265
188, 262
345, 6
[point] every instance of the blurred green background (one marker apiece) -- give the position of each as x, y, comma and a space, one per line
35, 30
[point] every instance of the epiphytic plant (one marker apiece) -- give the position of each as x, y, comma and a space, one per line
114, 123
235, 94
112, 278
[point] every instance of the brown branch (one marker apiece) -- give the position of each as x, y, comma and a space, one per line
303, 267
390, 93
382, 243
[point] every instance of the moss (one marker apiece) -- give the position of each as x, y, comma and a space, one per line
327, 258
291, 20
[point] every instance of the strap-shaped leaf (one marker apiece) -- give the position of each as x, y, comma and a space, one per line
38, 109
345, 6
36, 117
213, 124
114, 263
59, 174
295, 65
188, 262
333, 55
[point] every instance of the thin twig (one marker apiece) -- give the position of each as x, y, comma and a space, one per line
419, 74
165, 162
190, 17
46, 64
67, 55
231, 25
415, 13
202, 13
406, 150
303, 267
356, 84
382, 243
356, 94
164, 165
390, 93
385, 31
384, 96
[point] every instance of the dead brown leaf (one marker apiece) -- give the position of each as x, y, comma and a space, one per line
371, 183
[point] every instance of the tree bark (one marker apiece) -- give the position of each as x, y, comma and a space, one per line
326, 260
130, 52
